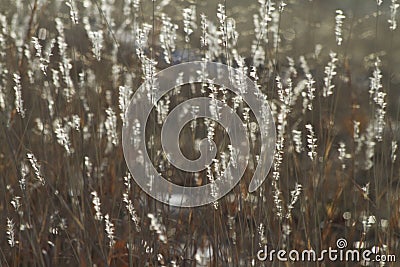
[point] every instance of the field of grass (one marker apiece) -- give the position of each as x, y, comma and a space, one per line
68, 69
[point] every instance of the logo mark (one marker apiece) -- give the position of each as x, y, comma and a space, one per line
145, 99
341, 243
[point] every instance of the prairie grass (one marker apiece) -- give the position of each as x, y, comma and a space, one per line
328, 69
